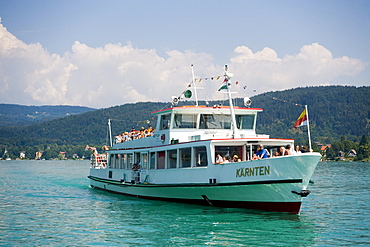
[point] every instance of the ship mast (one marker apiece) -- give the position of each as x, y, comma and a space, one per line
228, 76
195, 87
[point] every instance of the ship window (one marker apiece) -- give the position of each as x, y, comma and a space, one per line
114, 162
161, 160
117, 162
185, 157
212, 121
123, 161
165, 121
130, 161
111, 161
185, 121
245, 121
152, 160
201, 156
229, 151
144, 161
172, 158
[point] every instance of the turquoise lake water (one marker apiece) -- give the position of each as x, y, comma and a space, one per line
50, 203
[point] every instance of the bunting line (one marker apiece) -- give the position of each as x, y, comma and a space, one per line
208, 78
285, 101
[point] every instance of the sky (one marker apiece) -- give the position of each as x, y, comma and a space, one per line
100, 54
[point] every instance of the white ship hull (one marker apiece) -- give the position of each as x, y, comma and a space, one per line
274, 185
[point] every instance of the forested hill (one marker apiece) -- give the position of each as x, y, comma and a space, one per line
11, 114
334, 111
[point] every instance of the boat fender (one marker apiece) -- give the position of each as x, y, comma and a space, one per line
303, 193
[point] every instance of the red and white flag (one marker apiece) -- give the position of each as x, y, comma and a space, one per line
302, 120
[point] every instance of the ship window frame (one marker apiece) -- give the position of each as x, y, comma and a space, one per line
160, 160
113, 161
180, 121
197, 161
181, 159
239, 118
165, 121
123, 161
144, 160
219, 121
172, 162
152, 160
111, 157
130, 161
229, 151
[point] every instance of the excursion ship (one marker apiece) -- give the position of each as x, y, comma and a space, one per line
180, 161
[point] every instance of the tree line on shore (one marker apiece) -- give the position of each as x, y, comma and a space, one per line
339, 117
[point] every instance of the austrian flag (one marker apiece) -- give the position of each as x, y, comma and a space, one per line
302, 120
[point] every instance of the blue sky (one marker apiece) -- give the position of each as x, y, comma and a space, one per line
138, 44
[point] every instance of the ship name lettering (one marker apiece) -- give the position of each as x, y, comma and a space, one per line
253, 171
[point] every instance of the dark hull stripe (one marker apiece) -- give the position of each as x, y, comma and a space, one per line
287, 207
285, 181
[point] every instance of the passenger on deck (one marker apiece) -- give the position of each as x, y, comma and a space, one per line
280, 152
287, 150
134, 134
126, 137
236, 158
226, 159
118, 139
262, 153
296, 151
219, 159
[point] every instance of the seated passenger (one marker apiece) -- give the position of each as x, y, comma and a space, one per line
236, 158
118, 139
296, 151
287, 150
281, 151
219, 159
226, 159
125, 136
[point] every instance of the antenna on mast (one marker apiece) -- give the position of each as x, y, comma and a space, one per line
195, 87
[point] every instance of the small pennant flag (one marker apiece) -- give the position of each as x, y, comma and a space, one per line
302, 120
223, 86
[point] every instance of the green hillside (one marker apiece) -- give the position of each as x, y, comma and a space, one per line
334, 111
11, 114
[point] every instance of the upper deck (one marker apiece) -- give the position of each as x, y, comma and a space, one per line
193, 123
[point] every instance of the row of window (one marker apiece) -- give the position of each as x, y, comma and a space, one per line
175, 158
206, 121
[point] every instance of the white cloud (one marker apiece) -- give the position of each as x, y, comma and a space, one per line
116, 74
314, 65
